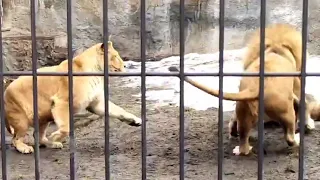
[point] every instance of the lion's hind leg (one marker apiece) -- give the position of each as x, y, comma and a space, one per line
19, 123
245, 122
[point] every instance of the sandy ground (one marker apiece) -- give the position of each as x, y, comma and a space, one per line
201, 149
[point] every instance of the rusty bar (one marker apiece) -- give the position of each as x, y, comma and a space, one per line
3, 125
302, 105
70, 87
143, 89
220, 114
106, 92
35, 90
181, 74
261, 90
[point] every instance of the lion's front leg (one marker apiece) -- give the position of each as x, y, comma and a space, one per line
115, 111
121, 114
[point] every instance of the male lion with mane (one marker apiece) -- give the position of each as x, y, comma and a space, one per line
283, 53
53, 105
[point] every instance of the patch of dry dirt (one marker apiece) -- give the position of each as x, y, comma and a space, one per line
201, 145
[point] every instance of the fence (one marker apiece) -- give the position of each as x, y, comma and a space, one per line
143, 75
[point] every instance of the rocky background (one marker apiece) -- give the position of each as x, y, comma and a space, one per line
201, 27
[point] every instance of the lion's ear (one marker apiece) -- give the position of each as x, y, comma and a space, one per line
102, 47
110, 46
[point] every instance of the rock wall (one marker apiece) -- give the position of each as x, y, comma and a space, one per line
18, 51
201, 23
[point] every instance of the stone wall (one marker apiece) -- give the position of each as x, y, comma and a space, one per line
201, 23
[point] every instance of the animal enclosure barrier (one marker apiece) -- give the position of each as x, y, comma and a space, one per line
143, 75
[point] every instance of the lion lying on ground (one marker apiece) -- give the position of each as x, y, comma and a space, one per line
53, 98
282, 94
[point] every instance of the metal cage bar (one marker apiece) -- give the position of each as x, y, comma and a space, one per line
164, 74
261, 90
302, 105
262, 74
106, 91
143, 89
35, 90
2, 111
220, 113
181, 106
72, 145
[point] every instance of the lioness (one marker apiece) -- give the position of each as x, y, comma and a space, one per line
53, 97
282, 54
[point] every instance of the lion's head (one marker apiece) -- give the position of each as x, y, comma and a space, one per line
116, 63
96, 51
95, 56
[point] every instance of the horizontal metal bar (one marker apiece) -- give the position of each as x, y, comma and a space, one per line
244, 74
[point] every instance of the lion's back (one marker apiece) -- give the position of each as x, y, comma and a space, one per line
277, 35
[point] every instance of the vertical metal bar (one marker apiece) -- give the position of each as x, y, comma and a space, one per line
70, 84
261, 89
3, 125
303, 84
143, 88
35, 90
106, 91
181, 110
220, 115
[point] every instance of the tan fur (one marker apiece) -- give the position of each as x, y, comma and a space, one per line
282, 54
314, 107
315, 111
53, 90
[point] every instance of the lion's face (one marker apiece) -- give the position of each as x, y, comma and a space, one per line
115, 61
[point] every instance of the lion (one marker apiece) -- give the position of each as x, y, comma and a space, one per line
281, 94
52, 90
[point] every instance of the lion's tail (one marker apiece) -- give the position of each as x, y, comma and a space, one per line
246, 94
240, 96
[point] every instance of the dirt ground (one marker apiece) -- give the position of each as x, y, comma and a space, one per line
201, 149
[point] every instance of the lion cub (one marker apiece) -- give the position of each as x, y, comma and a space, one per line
53, 98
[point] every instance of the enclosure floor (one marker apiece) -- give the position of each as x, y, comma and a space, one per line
201, 149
